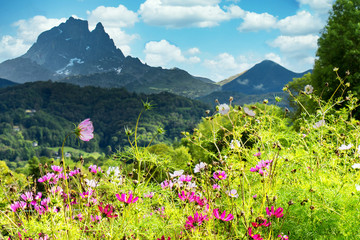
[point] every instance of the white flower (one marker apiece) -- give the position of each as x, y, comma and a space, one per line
233, 142
356, 165
345, 147
249, 112
91, 183
191, 185
176, 173
233, 193
357, 186
113, 171
308, 89
358, 149
224, 109
199, 167
319, 124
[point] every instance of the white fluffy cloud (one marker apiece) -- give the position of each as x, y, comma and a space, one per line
321, 6
114, 19
27, 32
162, 53
300, 24
295, 44
11, 47
193, 51
255, 21
185, 13
226, 65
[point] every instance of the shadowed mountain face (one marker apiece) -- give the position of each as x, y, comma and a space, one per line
6, 83
68, 49
71, 53
264, 77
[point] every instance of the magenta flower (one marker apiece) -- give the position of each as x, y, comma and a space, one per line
197, 220
85, 130
285, 237
94, 169
56, 168
223, 216
255, 236
189, 196
261, 167
163, 238
74, 172
16, 205
185, 178
219, 175
128, 200
107, 211
258, 154
216, 186
27, 196
277, 213
166, 184
264, 223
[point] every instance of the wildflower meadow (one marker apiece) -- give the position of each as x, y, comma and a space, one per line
252, 172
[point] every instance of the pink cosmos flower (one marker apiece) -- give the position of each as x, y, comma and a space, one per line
261, 167
285, 237
223, 216
258, 154
74, 172
128, 200
167, 183
216, 186
185, 178
264, 223
78, 217
256, 236
187, 196
107, 211
277, 213
56, 168
219, 175
197, 220
27, 196
95, 218
85, 130
94, 169
16, 205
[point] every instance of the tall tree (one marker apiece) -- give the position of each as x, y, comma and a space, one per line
339, 47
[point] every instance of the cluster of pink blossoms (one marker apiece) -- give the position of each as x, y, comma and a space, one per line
127, 199
278, 213
191, 197
94, 169
262, 167
179, 179
31, 201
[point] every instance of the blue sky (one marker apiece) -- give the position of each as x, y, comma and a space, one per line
209, 38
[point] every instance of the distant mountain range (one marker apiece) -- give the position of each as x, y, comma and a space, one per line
264, 77
6, 83
71, 53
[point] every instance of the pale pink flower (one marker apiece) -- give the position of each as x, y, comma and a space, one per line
56, 168
224, 109
216, 186
85, 130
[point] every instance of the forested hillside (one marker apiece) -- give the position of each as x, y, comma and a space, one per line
37, 116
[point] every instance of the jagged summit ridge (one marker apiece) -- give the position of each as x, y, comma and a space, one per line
65, 50
70, 44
